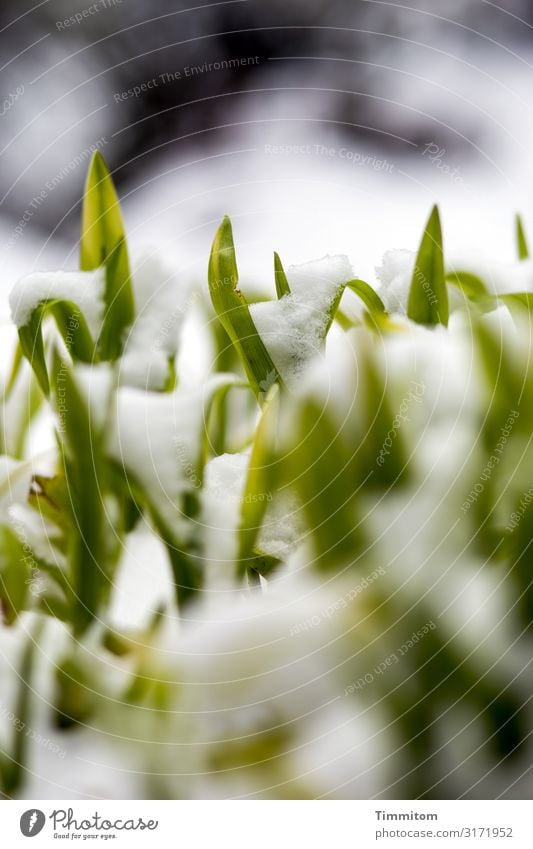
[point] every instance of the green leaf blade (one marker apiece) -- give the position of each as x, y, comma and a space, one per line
282, 284
428, 295
103, 243
366, 293
102, 226
522, 246
234, 314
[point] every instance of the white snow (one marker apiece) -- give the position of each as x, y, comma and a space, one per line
224, 480
162, 301
294, 327
394, 276
85, 289
96, 384
157, 438
223, 500
499, 277
15, 480
142, 584
282, 526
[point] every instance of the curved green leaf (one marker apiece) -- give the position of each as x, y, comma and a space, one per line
366, 293
80, 344
472, 285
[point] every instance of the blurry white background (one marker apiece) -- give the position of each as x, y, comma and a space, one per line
415, 103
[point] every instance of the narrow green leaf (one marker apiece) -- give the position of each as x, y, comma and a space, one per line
13, 766
120, 309
519, 299
322, 465
103, 242
102, 227
521, 239
282, 284
18, 359
94, 544
32, 345
76, 690
232, 310
489, 302
80, 344
259, 480
472, 285
15, 574
369, 297
428, 296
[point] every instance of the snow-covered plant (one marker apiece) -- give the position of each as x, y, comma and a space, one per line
306, 576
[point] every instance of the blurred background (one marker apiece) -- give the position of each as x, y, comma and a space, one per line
324, 126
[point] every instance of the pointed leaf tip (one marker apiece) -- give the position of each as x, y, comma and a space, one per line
428, 295
522, 246
233, 312
103, 243
282, 284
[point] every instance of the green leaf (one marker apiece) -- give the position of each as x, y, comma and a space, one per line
102, 227
369, 297
18, 359
489, 302
32, 345
120, 309
234, 314
260, 479
80, 344
103, 242
50, 499
76, 689
428, 296
322, 465
282, 284
13, 766
94, 544
15, 574
517, 299
472, 285
522, 247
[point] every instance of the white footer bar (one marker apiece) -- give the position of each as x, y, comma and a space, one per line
267, 824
